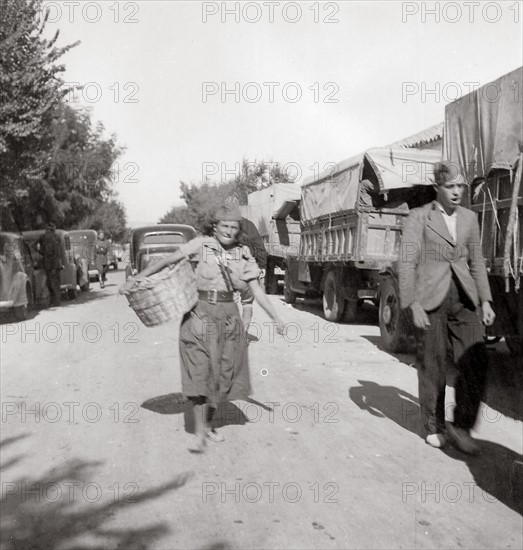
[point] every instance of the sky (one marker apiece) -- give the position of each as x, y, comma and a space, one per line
192, 88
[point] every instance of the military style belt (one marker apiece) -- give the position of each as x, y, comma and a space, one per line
213, 296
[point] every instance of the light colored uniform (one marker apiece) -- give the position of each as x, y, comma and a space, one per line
213, 344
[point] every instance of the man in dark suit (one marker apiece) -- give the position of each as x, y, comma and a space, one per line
52, 262
443, 280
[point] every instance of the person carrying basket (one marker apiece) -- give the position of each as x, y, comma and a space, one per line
212, 343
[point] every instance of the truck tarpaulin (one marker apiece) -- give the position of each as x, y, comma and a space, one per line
483, 129
265, 203
398, 168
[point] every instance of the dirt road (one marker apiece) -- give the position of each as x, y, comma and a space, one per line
325, 455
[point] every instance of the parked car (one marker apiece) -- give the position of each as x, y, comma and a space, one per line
17, 276
83, 242
153, 242
70, 274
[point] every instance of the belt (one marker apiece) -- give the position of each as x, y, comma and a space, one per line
213, 296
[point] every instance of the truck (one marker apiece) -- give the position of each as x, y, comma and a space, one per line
483, 136
351, 218
273, 214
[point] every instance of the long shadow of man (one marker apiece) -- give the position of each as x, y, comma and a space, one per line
498, 471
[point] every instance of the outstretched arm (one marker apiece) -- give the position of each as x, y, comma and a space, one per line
261, 298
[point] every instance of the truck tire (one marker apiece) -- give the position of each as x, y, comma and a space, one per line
514, 344
393, 325
288, 294
333, 300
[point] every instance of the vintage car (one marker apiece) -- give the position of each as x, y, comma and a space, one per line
83, 242
18, 278
153, 242
70, 276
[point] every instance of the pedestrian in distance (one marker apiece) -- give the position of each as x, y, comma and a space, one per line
212, 343
102, 250
443, 281
48, 246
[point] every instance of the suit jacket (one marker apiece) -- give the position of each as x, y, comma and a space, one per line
429, 257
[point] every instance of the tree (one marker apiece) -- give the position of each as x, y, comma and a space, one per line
30, 90
110, 217
77, 178
202, 199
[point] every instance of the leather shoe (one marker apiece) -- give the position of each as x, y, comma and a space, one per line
436, 440
214, 436
462, 440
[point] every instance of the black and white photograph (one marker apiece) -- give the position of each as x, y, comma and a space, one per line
261, 275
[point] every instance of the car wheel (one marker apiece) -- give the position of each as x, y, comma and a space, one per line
21, 313
72, 293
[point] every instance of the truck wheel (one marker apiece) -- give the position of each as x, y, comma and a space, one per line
333, 301
351, 309
288, 294
393, 326
514, 344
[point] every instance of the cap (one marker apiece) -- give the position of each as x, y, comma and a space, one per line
228, 214
50, 226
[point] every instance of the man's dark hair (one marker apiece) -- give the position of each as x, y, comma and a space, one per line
445, 171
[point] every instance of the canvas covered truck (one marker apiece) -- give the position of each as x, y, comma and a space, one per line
484, 137
351, 221
273, 213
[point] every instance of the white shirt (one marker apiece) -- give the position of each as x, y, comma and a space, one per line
451, 222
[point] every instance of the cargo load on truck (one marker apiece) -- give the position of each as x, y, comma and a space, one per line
274, 213
351, 220
484, 138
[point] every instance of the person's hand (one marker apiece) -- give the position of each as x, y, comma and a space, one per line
488, 314
127, 285
419, 316
280, 327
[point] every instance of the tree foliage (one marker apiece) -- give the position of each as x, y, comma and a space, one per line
30, 88
110, 217
56, 164
202, 199
77, 179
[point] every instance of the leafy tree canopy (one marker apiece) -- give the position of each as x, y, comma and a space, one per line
30, 88
203, 198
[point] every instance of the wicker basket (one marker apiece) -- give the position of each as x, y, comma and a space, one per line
165, 295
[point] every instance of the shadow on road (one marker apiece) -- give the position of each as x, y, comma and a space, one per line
227, 414
498, 470
65, 505
367, 313
8, 317
504, 378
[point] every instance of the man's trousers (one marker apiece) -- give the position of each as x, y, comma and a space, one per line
455, 327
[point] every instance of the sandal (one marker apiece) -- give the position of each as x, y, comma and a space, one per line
213, 435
